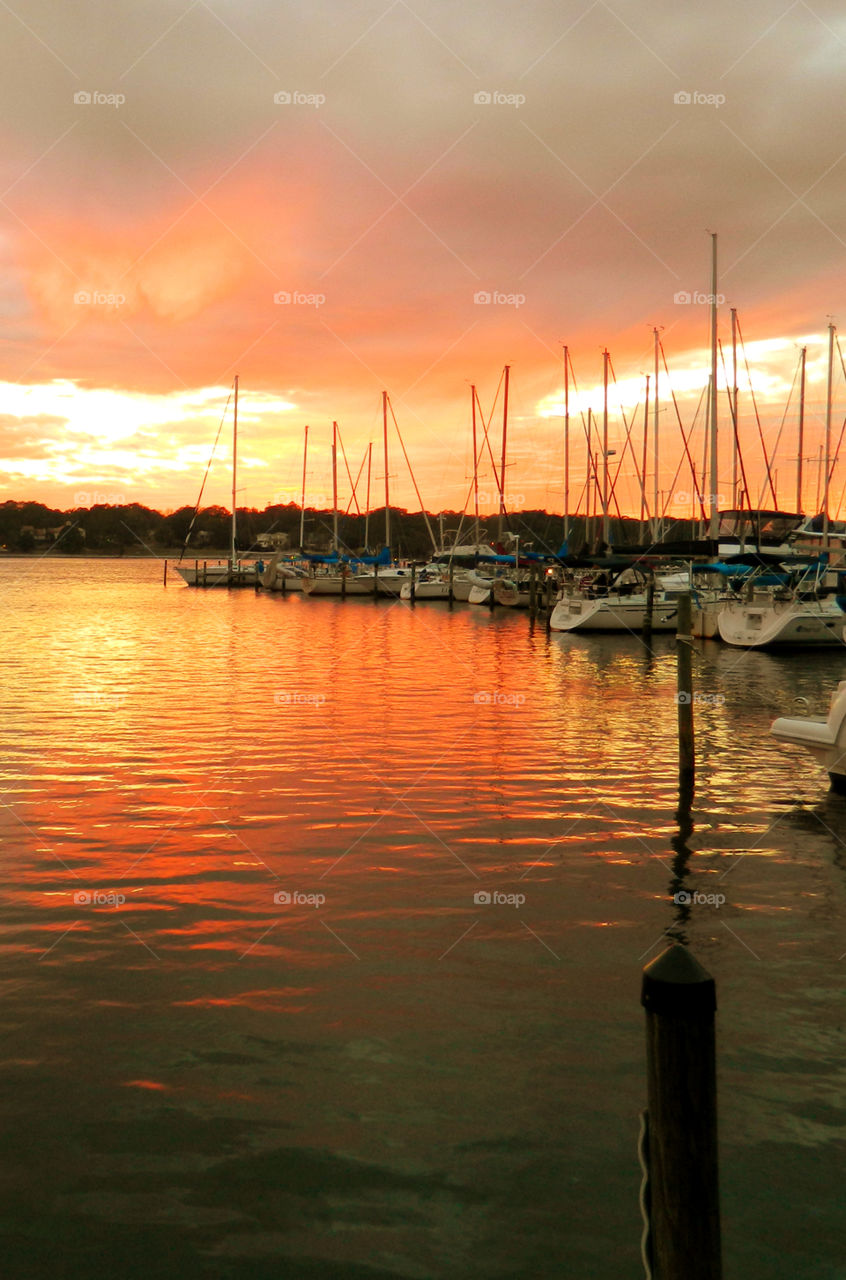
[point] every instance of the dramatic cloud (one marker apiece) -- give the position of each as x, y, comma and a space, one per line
407, 196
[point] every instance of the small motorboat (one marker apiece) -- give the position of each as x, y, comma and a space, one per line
825, 739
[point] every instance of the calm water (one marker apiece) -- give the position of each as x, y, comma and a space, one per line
254, 1022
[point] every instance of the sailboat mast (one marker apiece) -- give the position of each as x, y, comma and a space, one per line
736, 423
799, 461
605, 446
715, 477
334, 486
656, 533
502, 511
827, 472
387, 486
234, 475
645, 448
567, 445
367, 512
302, 508
475, 470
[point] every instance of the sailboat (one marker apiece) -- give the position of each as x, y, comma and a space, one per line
230, 573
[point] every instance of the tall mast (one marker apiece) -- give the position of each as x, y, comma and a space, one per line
655, 494
715, 469
566, 445
234, 474
475, 470
827, 472
387, 485
733, 402
502, 511
302, 508
334, 486
605, 446
645, 447
367, 511
591, 477
800, 460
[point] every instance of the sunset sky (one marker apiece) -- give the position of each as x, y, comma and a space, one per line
314, 196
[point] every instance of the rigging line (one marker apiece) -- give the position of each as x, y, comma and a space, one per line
349, 474
672, 488
757, 416
486, 441
357, 478
205, 478
411, 473
736, 430
781, 427
690, 462
628, 444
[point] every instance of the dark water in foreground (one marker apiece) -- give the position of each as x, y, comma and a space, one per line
381, 1076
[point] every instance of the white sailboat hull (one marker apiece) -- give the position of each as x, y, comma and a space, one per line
578, 613
332, 584
757, 624
824, 739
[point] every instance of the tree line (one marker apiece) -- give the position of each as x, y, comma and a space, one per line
105, 529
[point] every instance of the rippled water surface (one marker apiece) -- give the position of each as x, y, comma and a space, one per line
255, 1021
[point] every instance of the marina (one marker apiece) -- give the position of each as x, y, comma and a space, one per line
259, 958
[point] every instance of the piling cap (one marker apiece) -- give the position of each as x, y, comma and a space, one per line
676, 985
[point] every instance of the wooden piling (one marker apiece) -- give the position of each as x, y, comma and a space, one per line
343, 582
375, 581
413, 581
450, 595
679, 997
165, 572
533, 592
684, 695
